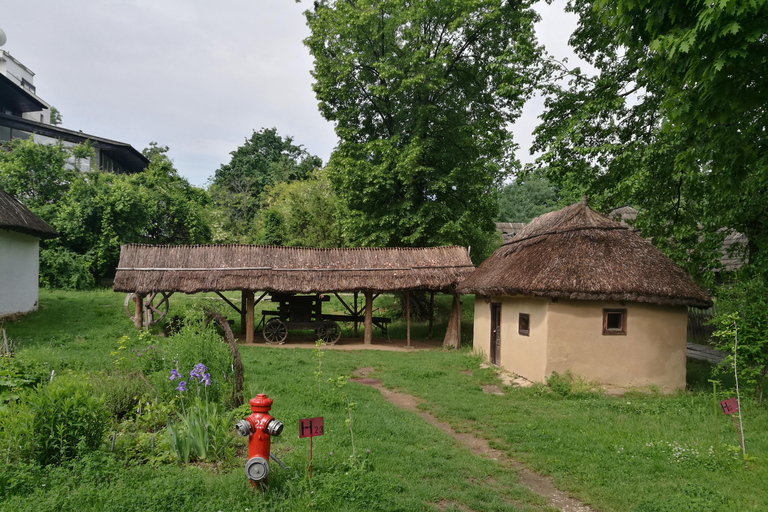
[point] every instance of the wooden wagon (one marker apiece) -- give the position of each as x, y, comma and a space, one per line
305, 312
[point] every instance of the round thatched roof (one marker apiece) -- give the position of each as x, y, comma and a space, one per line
577, 253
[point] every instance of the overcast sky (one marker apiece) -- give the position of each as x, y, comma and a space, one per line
197, 76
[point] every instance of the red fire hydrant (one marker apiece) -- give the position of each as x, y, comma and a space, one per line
259, 426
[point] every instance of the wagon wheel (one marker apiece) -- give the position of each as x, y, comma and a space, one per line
329, 332
157, 311
275, 331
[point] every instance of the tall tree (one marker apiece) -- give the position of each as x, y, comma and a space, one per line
421, 94
237, 187
530, 195
673, 122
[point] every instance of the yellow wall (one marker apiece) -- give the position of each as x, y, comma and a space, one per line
652, 351
524, 355
481, 341
568, 335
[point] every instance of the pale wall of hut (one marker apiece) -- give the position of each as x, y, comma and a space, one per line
651, 352
19, 265
568, 335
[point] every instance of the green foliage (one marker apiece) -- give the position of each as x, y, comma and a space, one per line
237, 187
561, 384
65, 269
194, 344
68, 420
672, 122
121, 391
529, 196
744, 306
204, 432
421, 95
304, 213
56, 117
35, 174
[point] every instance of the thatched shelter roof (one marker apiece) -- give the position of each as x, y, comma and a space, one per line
202, 268
577, 253
14, 216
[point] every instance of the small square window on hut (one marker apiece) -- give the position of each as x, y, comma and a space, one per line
524, 324
614, 321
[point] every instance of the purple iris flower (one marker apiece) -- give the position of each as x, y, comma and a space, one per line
206, 379
182, 386
174, 374
197, 371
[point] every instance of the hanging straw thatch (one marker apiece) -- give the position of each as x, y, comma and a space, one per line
577, 253
14, 216
204, 268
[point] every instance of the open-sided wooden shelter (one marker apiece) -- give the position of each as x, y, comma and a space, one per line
577, 291
147, 269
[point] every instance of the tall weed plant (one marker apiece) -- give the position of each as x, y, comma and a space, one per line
195, 344
68, 420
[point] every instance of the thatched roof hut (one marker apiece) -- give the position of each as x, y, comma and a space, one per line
14, 216
577, 253
204, 268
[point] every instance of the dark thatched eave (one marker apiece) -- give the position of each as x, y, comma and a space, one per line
206, 268
577, 253
14, 216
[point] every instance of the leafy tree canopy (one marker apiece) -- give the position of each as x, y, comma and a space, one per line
421, 94
303, 213
237, 187
529, 196
673, 122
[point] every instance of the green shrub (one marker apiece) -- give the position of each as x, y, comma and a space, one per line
62, 268
15, 433
194, 344
122, 391
68, 420
561, 384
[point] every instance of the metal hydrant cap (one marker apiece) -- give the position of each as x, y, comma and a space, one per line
260, 403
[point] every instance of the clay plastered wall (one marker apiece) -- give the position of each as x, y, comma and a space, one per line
18, 272
652, 351
524, 355
481, 342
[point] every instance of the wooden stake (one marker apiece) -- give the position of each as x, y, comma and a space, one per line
248, 316
243, 308
431, 313
138, 310
368, 332
408, 318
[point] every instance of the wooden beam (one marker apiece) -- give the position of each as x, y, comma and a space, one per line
431, 313
138, 310
248, 316
356, 313
407, 318
368, 332
242, 311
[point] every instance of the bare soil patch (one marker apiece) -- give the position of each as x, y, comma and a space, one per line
540, 484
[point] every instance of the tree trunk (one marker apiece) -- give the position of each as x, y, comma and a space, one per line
453, 331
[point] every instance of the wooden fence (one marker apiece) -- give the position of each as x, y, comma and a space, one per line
699, 331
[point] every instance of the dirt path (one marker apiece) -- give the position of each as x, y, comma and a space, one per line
541, 485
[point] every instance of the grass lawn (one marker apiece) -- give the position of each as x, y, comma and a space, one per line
640, 453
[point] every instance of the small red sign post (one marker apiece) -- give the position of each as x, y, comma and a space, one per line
730, 406
311, 427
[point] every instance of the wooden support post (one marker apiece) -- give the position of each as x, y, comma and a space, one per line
408, 318
248, 316
431, 313
356, 311
243, 307
138, 310
368, 331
